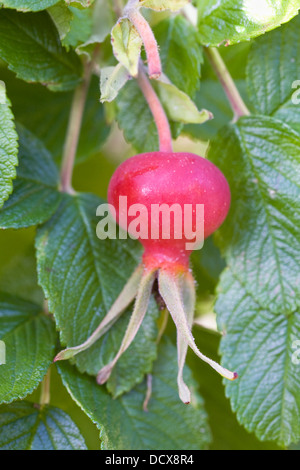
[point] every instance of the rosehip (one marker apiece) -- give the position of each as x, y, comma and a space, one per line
148, 182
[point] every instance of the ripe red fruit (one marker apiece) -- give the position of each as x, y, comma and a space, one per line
170, 178
153, 179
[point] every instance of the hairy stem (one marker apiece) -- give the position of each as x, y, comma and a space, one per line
45, 390
236, 102
159, 115
73, 131
149, 41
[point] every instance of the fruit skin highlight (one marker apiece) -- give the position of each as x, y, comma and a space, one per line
170, 178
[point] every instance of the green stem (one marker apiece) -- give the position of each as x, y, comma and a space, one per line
73, 131
45, 391
236, 102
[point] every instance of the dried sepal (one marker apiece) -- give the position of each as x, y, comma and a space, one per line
170, 291
124, 299
138, 314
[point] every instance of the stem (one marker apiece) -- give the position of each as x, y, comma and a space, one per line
73, 131
45, 391
149, 41
159, 115
236, 102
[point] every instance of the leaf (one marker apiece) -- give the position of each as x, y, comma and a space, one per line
25, 426
103, 20
258, 301
231, 21
80, 4
62, 17
127, 44
136, 120
179, 107
227, 433
49, 114
273, 67
81, 277
28, 5
18, 268
8, 146
80, 27
35, 196
29, 336
169, 424
261, 345
160, 5
30, 44
112, 79
211, 96
260, 158
180, 52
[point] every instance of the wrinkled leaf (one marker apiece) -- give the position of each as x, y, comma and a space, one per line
169, 424
29, 336
23, 426
262, 346
49, 114
180, 52
258, 301
8, 146
81, 276
29, 43
232, 21
273, 72
28, 5
35, 196
260, 158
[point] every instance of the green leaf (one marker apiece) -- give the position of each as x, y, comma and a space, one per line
80, 4
273, 67
160, 5
103, 20
29, 337
227, 433
80, 27
35, 196
179, 106
232, 21
8, 146
180, 52
25, 426
46, 114
169, 424
136, 120
258, 302
62, 17
28, 5
261, 346
127, 44
30, 44
18, 275
260, 158
81, 277
112, 79
211, 96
